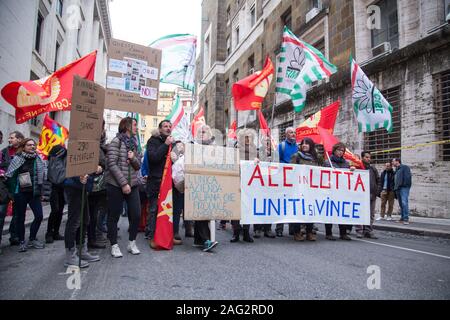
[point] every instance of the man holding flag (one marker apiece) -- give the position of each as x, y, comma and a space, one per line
157, 153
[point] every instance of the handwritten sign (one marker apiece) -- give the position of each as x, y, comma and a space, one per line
86, 119
211, 184
82, 157
287, 193
139, 67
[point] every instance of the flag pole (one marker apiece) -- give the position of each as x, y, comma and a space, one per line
329, 160
83, 192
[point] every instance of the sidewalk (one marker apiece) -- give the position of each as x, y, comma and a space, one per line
432, 227
29, 218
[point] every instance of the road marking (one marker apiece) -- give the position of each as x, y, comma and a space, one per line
406, 249
401, 248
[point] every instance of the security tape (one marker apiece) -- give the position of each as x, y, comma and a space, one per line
413, 147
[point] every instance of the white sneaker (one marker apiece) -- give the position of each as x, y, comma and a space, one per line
132, 248
115, 251
379, 218
389, 219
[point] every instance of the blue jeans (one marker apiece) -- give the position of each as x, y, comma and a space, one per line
21, 201
402, 196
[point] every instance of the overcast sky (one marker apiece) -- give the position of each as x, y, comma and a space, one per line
143, 21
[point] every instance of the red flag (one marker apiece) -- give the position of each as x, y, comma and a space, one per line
199, 120
53, 93
325, 118
249, 93
52, 134
328, 141
164, 220
232, 131
354, 161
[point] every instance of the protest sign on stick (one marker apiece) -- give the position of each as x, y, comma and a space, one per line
132, 82
86, 120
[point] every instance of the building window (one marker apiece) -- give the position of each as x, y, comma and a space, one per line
253, 15
380, 140
206, 111
236, 35
236, 76
227, 88
52, 115
39, 26
78, 37
282, 129
316, 4
59, 7
228, 46
389, 25
251, 64
56, 56
143, 122
207, 54
320, 45
442, 111
155, 122
228, 15
446, 9
286, 18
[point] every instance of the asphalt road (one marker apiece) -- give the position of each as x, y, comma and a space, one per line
411, 267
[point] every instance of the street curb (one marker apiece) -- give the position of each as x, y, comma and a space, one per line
27, 224
415, 231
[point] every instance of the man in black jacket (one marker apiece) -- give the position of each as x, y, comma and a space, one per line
7, 154
386, 191
157, 149
367, 231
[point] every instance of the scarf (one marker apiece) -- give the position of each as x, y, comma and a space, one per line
306, 156
335, 159
129, 142
20, 159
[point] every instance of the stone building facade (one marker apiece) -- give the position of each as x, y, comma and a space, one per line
403, 46
39, 37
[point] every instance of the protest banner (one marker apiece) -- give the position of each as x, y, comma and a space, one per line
211, 183
86, 120
133, 77
288, 193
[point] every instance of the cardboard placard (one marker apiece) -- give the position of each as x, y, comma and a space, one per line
139, 67
82, 157
86, 118
211, 183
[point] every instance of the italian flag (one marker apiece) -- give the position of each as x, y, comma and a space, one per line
300, 65
372, 110
180, 122
178, 59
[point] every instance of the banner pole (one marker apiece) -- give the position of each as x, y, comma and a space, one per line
212, 230
329, 160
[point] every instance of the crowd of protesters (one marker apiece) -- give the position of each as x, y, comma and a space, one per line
127, 177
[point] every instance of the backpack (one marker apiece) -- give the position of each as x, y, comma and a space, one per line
56, 170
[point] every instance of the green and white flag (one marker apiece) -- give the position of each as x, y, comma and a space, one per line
371, 108
180, 122
178, 59
299, 66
